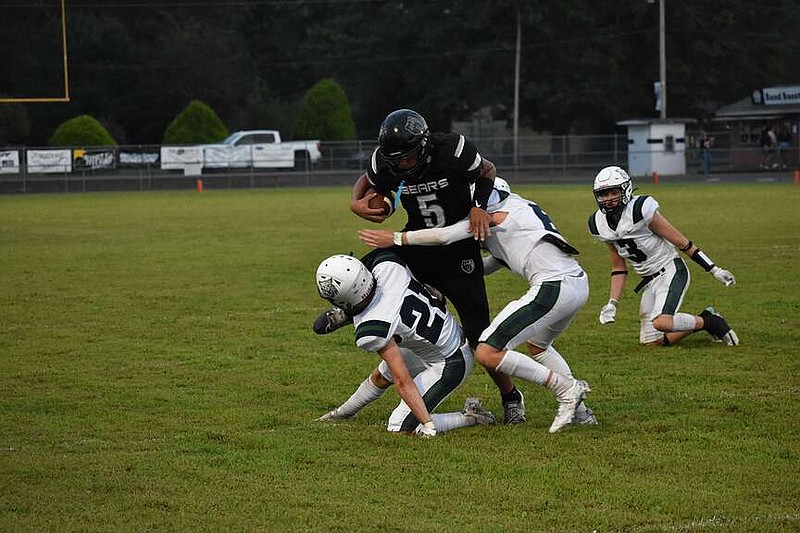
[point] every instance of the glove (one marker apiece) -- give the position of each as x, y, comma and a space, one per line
427, 430
723, 276
609, 312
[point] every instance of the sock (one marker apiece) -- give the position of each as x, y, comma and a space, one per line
521, 366
366, 393
553, 360
513, 396
445, 422
683, 322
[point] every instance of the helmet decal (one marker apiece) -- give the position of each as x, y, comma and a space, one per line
415, 124
346, 282
328, 288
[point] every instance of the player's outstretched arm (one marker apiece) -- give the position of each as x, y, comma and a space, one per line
423, 237
661, 226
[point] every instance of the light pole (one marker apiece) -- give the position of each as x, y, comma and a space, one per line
662, 56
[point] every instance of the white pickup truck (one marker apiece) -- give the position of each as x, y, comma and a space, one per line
243, 149
260, 149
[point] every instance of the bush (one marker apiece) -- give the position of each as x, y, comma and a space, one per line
325, 114
197, 124
82, 130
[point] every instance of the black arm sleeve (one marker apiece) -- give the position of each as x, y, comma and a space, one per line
483, 188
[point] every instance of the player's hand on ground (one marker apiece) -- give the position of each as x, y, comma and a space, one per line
608, 313
427, 430
361, 208
479, 221
377, 238
723, 276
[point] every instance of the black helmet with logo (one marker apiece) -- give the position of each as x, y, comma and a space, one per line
403, 135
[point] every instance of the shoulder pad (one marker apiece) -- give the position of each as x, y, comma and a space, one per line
593, 225
379, 255
638, 203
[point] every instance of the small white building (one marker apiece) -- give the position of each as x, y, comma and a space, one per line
656, 145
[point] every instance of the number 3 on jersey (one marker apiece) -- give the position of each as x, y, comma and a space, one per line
631, 250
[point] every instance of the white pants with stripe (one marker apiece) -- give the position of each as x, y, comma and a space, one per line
540, 315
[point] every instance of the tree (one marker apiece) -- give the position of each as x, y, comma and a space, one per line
325, 114
14, 123
583, 67
82, 130
196, 124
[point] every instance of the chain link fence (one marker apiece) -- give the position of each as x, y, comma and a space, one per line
548, 158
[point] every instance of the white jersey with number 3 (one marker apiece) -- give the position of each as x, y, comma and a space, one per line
517, 241
633, 239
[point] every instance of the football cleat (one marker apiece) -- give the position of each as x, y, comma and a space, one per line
514, 411
474, 410
716, 325
334, 415
436, 293
567, 404
331, 320
584, 417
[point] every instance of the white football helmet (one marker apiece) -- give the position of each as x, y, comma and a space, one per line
613, 178
345, 282
499, 185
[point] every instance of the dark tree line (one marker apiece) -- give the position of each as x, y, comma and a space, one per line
135, 64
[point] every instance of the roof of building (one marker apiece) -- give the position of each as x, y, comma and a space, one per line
745, 109
647, 121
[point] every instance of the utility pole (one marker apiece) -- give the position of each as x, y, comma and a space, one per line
662, 58
516, 86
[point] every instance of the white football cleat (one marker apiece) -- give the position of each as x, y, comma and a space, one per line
568, 403
334, 415
474, 410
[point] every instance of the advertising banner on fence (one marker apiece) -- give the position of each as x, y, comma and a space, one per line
48, 161
180, 157
224, 156
93, 159
138, 158
9, 162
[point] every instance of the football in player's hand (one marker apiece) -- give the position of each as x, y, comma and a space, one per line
379, 201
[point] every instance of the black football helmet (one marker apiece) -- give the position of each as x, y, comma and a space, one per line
404, 133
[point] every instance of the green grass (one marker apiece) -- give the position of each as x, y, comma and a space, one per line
158, 372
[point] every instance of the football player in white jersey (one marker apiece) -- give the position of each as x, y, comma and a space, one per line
391, 311
523, 238
635, 230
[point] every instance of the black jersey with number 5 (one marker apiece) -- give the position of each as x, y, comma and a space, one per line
440, 195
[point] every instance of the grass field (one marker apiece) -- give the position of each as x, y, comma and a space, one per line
159, 373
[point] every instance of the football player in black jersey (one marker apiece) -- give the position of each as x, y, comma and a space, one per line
432, 173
